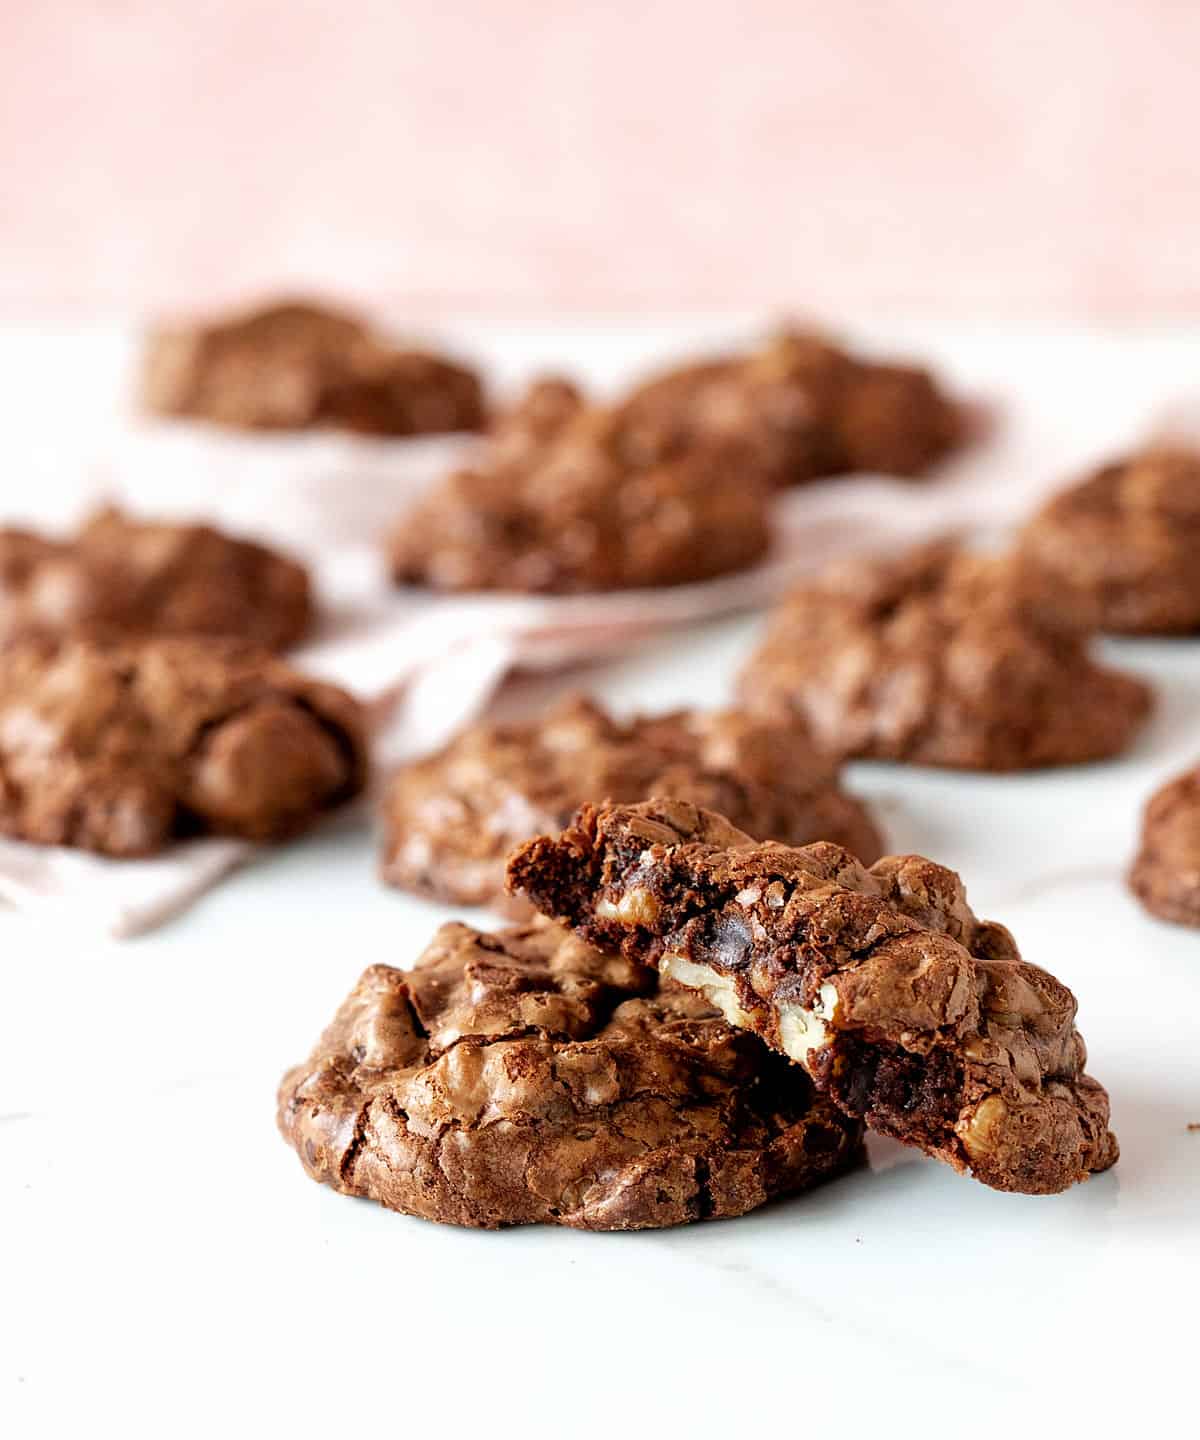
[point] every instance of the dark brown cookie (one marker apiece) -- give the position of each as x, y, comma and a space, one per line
523, 1076
1166, 872
805, 408
937, 658
903, 1007
122, 748
123, 578
560, 502
294, 365
451, 819
1121, 551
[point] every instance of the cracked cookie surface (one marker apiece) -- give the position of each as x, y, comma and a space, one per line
524, 1077
935, 657
881, 983
295, 365
451, 819
121, 749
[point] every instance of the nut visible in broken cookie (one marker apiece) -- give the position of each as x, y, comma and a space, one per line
903, 1007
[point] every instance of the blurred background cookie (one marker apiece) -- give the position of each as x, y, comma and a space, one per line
935, 657
806, 408
451, 819
125, 578
576, 502
121, 749
292, 365
1165, 875
1120, 550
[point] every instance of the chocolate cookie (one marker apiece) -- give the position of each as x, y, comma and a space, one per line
806, 408
41, 588
937, 658
451, 819
123, 748
1166, 873
903, 1007
122, 578
1121, 551
294, 365
563, 503
520, 433
522, 1077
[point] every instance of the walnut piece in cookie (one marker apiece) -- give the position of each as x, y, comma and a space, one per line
904, 1008
936, 657
125, 578
451, 819
295, 365
523, 1076
806, 408
1165, 875
122, 748
561, 501
1120, 551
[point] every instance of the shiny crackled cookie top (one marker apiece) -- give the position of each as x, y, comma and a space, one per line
525, 1076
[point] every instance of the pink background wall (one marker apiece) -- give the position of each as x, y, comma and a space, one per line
520, 156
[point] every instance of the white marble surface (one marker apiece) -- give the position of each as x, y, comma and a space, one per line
166, 1269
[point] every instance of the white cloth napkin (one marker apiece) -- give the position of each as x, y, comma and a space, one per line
307, 492
427, 664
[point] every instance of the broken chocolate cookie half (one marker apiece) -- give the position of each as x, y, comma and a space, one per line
903, 1007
